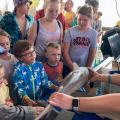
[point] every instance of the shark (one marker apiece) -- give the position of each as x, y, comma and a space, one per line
72, 82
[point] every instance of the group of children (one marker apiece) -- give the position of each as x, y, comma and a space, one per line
30, 80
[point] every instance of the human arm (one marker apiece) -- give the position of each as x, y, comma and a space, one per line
66, 49
95, 76
19, 112
99, 104
92, 48
66, 55
33, 33
91, 57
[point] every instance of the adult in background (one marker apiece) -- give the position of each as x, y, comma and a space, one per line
18, 23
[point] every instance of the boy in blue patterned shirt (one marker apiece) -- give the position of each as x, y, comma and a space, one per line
29, 77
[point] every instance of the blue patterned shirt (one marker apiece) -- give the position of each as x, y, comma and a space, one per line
30, 80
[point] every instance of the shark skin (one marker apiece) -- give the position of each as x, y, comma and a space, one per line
73, 81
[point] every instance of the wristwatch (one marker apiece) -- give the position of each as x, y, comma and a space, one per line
75, 103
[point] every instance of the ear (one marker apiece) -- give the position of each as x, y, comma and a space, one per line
46, 54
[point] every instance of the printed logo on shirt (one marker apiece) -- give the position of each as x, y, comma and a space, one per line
82, 41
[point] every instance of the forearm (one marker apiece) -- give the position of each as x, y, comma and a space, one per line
68, 60
91, 57
33, 34
100, 104
20, 112
115, 79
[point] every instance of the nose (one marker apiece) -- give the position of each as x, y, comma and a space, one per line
5, 46
57, 57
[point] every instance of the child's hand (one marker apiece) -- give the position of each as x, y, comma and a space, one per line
3, 81
29, 102
38, 110
60, 80
56, 88
9, 102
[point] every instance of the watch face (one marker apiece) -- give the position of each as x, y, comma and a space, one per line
75, 102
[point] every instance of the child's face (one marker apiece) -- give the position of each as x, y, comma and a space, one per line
53, 55
68, 5
5, 43
83, 21
29, 56
52, 10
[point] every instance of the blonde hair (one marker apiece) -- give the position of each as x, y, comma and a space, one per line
53, 45
50, 1
4, 33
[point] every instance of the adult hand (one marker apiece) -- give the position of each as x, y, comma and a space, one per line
94, 76
61, 100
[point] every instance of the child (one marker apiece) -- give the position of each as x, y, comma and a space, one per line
4, 90
79, 44
53, 66
7, 110
6, 59
97, 23
69, 14
29, 76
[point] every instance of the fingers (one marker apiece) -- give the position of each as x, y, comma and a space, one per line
91, 72
30, 102
56, 95
39, 109
55, 102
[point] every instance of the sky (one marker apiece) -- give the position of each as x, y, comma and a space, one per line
107, 7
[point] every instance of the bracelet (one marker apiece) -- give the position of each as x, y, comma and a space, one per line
110, 83
109, 79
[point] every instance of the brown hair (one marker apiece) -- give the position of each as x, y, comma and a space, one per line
20, 47
87, 11
3, 33
99, 13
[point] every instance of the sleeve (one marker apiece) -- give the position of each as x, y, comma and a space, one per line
16, 112
2, 23
67, 38
19, 83
94, 40
45, 82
